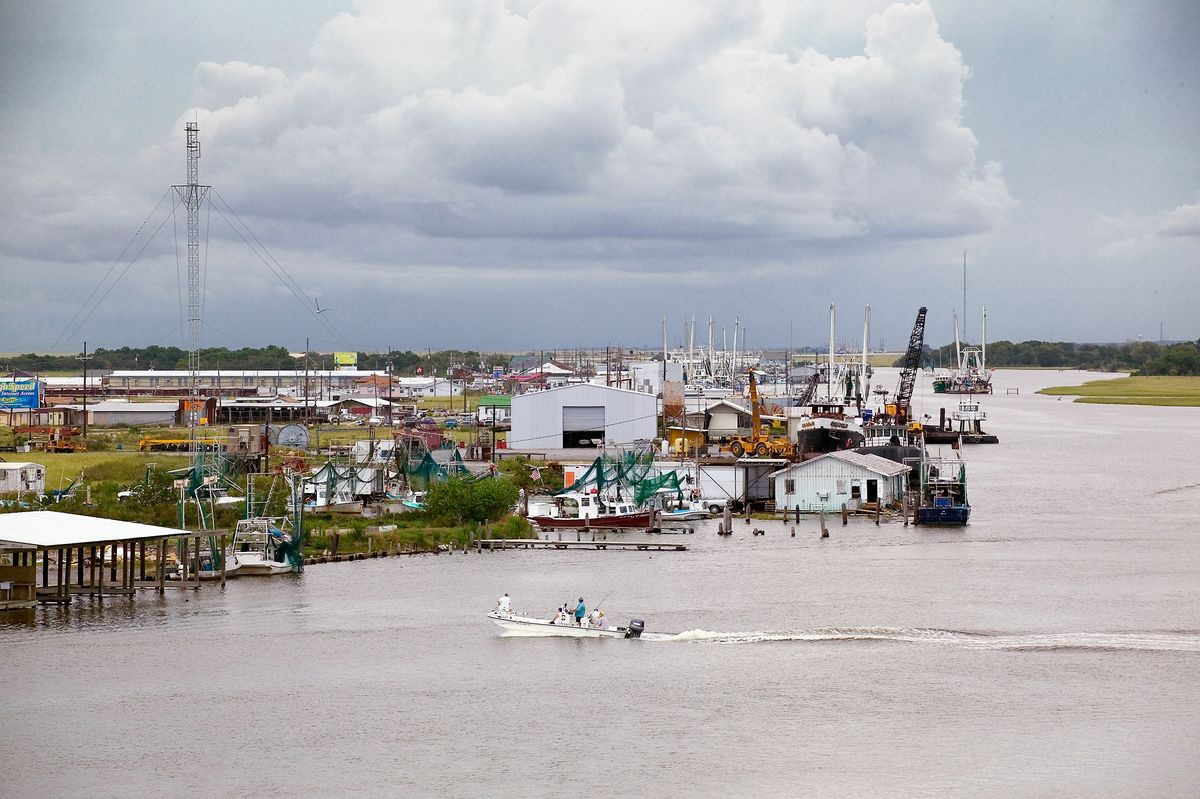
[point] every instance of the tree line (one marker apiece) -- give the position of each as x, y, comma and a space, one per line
440, 362
1142, 357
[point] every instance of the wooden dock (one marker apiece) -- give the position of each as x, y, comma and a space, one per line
492, 544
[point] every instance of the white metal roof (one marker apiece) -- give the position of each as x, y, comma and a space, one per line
118, 406
873, 463
207, 373
44, 528
21, 465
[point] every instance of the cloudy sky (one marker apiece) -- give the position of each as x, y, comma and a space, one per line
505, 174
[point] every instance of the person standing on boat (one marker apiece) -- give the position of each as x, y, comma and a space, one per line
504, 604
580, 612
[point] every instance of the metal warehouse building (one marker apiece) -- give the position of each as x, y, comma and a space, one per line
111, 413
581, 416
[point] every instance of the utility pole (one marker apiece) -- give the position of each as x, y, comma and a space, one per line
85, 358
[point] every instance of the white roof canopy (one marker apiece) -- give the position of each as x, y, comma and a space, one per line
45, 528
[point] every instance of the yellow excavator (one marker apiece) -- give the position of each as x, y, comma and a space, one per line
760, 443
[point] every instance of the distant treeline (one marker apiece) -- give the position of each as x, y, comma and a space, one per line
439, 363
1143, 357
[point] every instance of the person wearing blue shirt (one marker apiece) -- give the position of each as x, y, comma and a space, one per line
580, 612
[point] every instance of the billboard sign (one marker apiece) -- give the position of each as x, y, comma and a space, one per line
347, 359
20, 393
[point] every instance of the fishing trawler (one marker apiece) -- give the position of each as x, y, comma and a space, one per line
577, 510
943, 491
971, 375
262, 547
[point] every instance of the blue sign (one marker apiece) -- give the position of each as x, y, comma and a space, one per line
19, 393
497, 374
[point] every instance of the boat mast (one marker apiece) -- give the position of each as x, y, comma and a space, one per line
664, 328
737, 322
866, 387
983, 355
692, 352
712, 365
829, 375
964, 291
957, 346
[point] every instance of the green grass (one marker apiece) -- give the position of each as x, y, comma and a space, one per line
121, 467
1162, 391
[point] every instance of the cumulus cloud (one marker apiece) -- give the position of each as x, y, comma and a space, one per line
571, 121
492, 144
1183, 221
219, 85
1132, 234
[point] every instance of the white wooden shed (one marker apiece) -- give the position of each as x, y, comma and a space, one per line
839, 478
17, 478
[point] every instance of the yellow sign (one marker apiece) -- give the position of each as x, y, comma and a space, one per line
345, 358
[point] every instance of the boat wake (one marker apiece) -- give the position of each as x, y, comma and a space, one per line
1113, 641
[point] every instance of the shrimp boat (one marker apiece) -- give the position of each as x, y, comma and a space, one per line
516, 625
262, 547
943, 492
580, 511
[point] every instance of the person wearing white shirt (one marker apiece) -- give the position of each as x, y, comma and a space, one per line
504, 605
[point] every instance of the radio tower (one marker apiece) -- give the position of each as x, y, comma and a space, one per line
192, 194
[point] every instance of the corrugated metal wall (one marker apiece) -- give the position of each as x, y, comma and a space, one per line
537, 417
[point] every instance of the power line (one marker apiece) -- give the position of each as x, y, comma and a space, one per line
63, 335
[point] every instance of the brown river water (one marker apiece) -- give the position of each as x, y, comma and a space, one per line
1052, 648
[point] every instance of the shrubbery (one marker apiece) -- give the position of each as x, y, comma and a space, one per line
463, 500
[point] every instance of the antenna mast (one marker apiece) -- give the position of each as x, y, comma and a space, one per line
192, 194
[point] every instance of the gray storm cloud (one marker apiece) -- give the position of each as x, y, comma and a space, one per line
568, 121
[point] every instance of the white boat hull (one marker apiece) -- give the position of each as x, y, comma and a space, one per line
527, 626
250, 566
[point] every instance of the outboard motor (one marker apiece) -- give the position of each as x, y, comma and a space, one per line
636, 628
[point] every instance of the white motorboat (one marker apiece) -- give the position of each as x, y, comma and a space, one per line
261, 547
515, 625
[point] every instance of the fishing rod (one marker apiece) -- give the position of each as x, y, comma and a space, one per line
601, 602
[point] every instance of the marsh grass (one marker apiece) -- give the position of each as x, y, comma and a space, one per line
1163, 391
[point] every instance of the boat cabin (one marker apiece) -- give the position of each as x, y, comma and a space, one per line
590, 506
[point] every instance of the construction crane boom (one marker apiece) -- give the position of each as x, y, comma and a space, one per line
755, 413
912, 362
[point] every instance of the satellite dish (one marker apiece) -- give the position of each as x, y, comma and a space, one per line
293, 436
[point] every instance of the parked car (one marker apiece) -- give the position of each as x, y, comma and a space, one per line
450, 424
374, 420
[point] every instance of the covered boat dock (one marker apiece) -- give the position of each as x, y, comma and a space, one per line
91, 556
